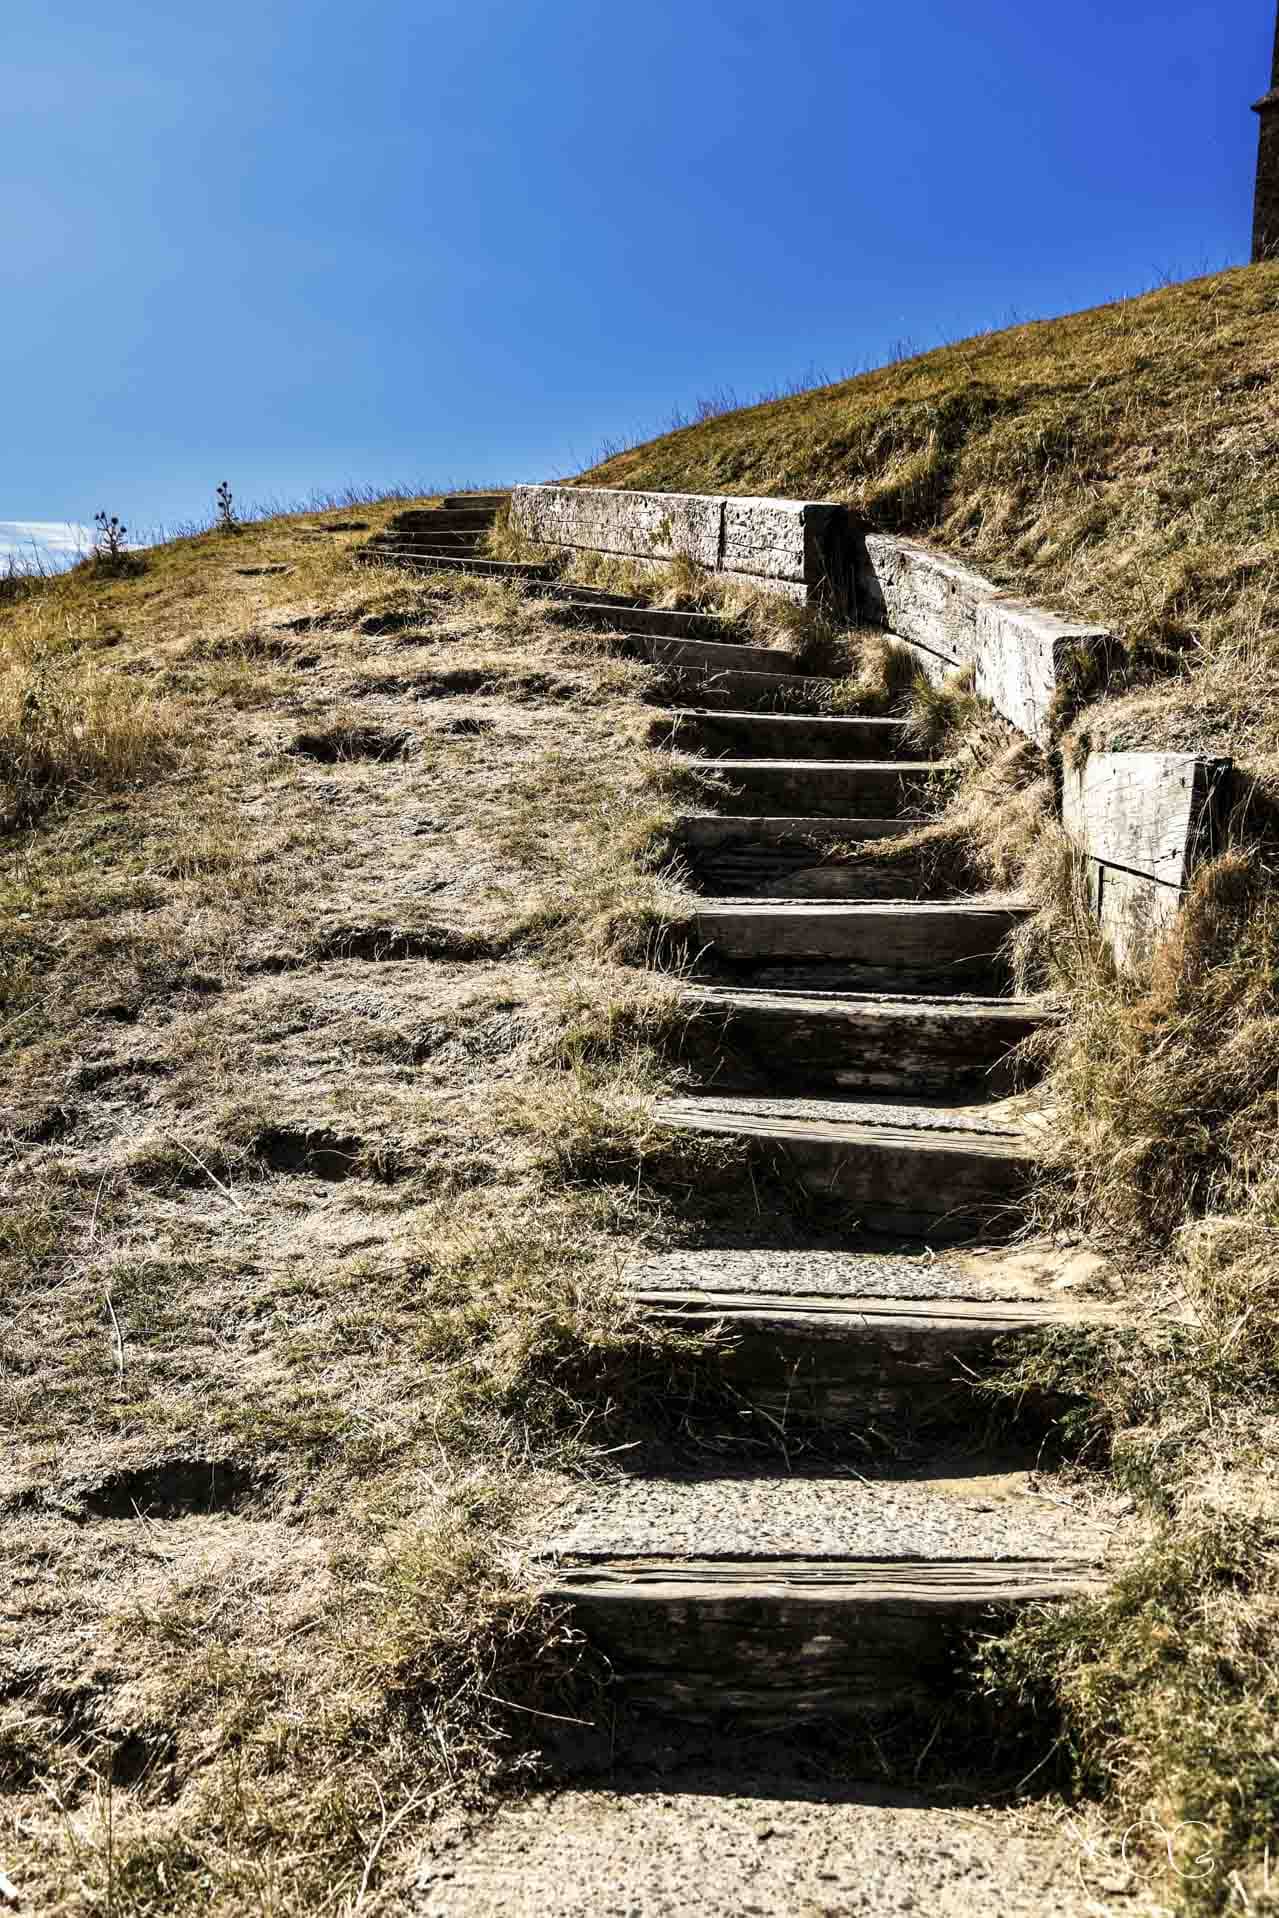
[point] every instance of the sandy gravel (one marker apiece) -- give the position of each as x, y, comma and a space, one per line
776, 1847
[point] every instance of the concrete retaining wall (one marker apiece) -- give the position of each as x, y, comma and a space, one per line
951, 617
1143, 822
795, 548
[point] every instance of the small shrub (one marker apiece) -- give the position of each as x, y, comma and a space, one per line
228, 520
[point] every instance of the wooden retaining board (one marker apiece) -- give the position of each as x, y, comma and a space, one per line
952, 618
794, 548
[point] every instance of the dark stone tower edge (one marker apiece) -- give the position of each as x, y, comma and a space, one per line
1265, 219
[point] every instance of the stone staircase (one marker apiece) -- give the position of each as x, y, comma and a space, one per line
856, 1042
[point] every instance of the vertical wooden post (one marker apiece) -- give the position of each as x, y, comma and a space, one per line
1265, 219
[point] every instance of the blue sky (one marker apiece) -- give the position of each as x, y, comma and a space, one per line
297, 243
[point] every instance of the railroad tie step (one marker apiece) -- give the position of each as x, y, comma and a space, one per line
947, 1171
426, 545
744, 691
640, 623
910, 945
433, 519
739, 1039
709, 655
782, 857
871, 788
786, 736
835, 1356
777, 1597
483, 568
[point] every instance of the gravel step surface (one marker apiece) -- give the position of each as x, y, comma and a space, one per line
773, 1846
767, 1516
1027, 1273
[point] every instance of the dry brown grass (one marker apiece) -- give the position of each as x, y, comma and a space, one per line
324, 1150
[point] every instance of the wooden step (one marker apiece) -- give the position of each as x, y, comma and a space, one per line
483, 568
427, 544
453, 502
871, 788
658, 622
954, 944
787, 858
433, 520
706, 655
945, 1171
783, 1597
836, 1042
835, 1361
741, 735
745, 691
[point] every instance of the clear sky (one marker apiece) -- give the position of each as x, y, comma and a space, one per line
296, 243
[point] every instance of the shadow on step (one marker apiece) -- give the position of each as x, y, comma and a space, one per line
957, 1748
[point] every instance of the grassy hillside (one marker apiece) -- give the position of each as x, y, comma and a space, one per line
320, 1154
1120, 463
321, 1146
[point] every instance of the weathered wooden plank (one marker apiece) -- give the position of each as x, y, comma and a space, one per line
760, 692
655, 526
712, 829
845, 1042
708, 654
834, 1360
872, 788
771, 1643
1026, 659
924, 597
795, 548
944, 1184
1143, 822
780, 735
953, 939
782, 539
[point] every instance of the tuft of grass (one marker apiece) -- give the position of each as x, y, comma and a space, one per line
70, 722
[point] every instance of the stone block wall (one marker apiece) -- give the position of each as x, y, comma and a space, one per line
951, 617
1143, 822
797, 549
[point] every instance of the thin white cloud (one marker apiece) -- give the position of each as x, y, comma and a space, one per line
54, 542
